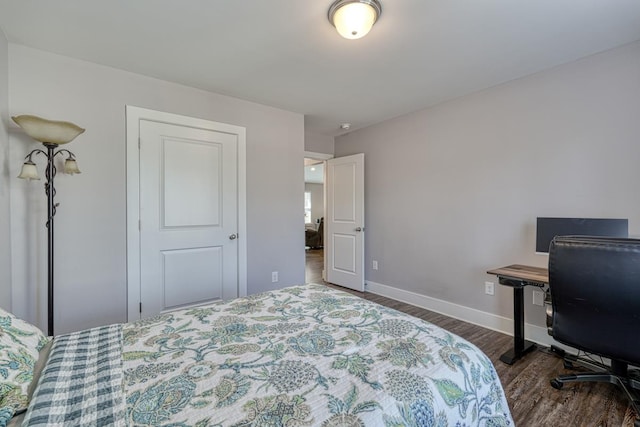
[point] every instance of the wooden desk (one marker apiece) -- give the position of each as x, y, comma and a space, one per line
518, 276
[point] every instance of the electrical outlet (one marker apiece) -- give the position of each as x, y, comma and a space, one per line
274, 276
538, 298
489, 288
375, 264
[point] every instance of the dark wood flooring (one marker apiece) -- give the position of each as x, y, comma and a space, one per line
533, 402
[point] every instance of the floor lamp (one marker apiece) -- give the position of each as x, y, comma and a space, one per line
51, 134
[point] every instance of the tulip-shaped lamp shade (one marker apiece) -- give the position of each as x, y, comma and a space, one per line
29, 171
71, 166
48, 131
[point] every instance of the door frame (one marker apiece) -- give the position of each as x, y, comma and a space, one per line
133, 117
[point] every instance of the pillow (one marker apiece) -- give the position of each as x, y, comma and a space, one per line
18, 418
20, 345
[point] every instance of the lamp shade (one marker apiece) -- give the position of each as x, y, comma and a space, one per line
71, 167
29, 171
48, 131
354, 18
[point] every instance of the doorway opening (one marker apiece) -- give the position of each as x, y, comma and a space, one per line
314, 214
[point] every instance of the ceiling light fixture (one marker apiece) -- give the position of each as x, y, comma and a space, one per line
354, 18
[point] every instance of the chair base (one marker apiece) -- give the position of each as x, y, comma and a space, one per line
628, 381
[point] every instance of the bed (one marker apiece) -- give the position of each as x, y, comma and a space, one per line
300, 356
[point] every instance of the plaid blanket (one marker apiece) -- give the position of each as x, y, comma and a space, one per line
82, 382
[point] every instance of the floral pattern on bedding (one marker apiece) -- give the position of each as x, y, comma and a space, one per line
305, 356
20, 344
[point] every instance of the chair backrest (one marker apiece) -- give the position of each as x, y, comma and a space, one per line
321, 231
595, 293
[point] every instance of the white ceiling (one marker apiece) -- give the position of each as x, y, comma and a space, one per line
284, 53
314, 173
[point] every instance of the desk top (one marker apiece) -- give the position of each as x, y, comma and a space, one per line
526, 273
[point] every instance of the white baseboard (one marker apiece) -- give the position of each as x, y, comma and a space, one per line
491, 321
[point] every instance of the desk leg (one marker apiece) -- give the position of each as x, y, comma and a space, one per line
520, 345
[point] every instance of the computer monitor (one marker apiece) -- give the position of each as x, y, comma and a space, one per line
548, 228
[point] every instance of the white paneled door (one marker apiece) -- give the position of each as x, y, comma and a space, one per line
188, 216
345, 222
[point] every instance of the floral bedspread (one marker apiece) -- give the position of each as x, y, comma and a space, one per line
305, 356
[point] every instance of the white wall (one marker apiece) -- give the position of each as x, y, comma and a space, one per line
454, 190
317, 143
90, 223
5, 223
317, 200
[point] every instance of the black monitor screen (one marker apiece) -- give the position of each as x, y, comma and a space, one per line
548, 228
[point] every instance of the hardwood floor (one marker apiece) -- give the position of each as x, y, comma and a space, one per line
314, 265
533, 402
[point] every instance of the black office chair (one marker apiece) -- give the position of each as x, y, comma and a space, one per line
594, 284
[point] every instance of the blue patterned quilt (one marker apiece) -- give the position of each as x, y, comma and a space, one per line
304, 356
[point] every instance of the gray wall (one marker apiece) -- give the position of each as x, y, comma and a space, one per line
317, 200
5, 223
454, 190
90, 224
318, 143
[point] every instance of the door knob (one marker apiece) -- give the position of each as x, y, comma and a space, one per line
359, 229
233, 236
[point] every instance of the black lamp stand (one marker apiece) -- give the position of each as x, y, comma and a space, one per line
50, 190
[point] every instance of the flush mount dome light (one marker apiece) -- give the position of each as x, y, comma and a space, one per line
354, 18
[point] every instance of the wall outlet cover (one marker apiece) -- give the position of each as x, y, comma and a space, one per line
538, 298
489, 288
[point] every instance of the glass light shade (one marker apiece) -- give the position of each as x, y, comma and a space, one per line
29, 171
354, 20
71, 167
48, 131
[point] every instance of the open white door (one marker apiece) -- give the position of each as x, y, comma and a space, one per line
344, 243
